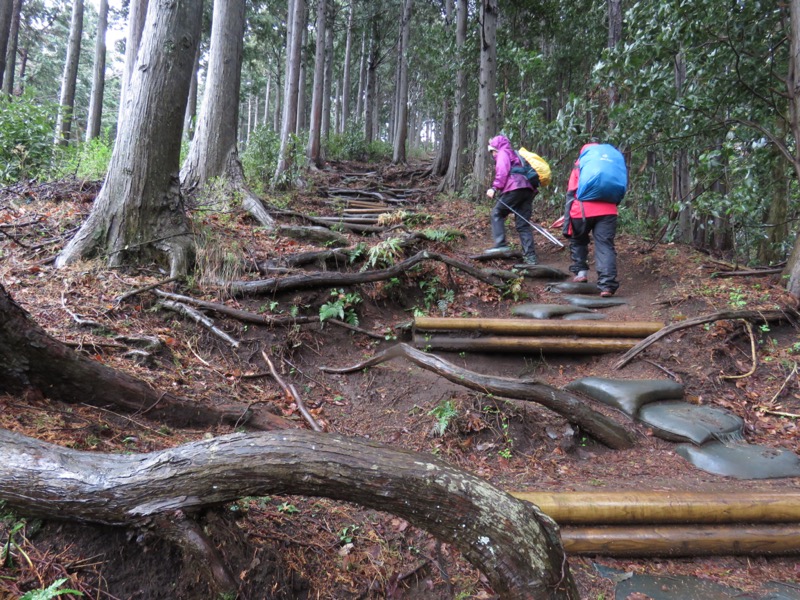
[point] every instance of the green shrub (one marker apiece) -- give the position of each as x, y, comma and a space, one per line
26, 137
260, 157
349, 145
88, 160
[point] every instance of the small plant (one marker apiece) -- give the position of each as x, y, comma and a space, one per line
288, 508
444, 412
505, 453
384, 254
342, 308
52, 591
347, 534
737, 298
442, 235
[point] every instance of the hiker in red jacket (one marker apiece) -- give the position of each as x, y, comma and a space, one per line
600, 219
514, 195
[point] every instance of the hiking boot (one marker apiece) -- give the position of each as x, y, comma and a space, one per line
581, 277
496, 250
606, 294
530, 259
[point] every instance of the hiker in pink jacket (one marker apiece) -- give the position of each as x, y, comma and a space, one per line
513, 193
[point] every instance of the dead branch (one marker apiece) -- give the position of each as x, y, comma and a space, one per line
292, 392
200, 319
559, 401
767, 316
752, 272
753, 353
321, 280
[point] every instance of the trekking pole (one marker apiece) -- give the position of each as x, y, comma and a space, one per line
536, 227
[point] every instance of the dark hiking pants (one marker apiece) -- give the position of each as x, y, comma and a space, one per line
519, 202
604, 230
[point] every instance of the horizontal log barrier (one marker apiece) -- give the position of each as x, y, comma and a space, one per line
682, 540
660, 507
544, 327
583, 345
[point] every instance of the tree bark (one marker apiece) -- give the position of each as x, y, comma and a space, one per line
348, 53
214, 151
98, 75
137, 13
510, 541
401, 122
70, 76
289, 120
456, 166
315, 131
561, 402
7, 73
5, 28
139, 214
29, 357
487, 107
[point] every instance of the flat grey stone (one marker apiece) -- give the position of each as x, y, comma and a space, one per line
742, 461
491, 253
584, 316
541, 271
628, 395
676, 587
543, 311
572, 287
678, 421
589, 302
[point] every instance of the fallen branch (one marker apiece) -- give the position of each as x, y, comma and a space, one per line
748, 273
201, 319
767, 316
291, 391
753, 353
325, 279
559, 401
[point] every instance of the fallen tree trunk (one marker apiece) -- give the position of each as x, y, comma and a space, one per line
571, 345
520, 327
30, 358
564, 403
510, 541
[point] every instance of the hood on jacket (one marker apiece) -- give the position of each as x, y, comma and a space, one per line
500, 143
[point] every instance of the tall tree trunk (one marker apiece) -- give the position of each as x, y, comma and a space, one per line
614, 37
289, 119
5, 30
137, 13
456, 167
7, 74
777, 227
190, 118
98, 75
792, 270
302, 87
487, 108
139, 213
315, 131
681, 184
445, 147
214, 150
362, 78
267, 90
348, 52
372, 81
401, 122
70, 76
327, 84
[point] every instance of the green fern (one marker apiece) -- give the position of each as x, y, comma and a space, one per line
50, 592
384, 254
442, 235
444, 412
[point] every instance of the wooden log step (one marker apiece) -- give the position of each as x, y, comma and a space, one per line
665, 507
541, 327
572, 345
683, 540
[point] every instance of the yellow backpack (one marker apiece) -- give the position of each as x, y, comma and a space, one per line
538, 164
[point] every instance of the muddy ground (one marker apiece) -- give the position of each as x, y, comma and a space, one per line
295, 547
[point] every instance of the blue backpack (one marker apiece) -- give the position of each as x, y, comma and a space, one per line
603, 175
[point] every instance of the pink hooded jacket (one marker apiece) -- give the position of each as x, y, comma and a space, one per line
504, 180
